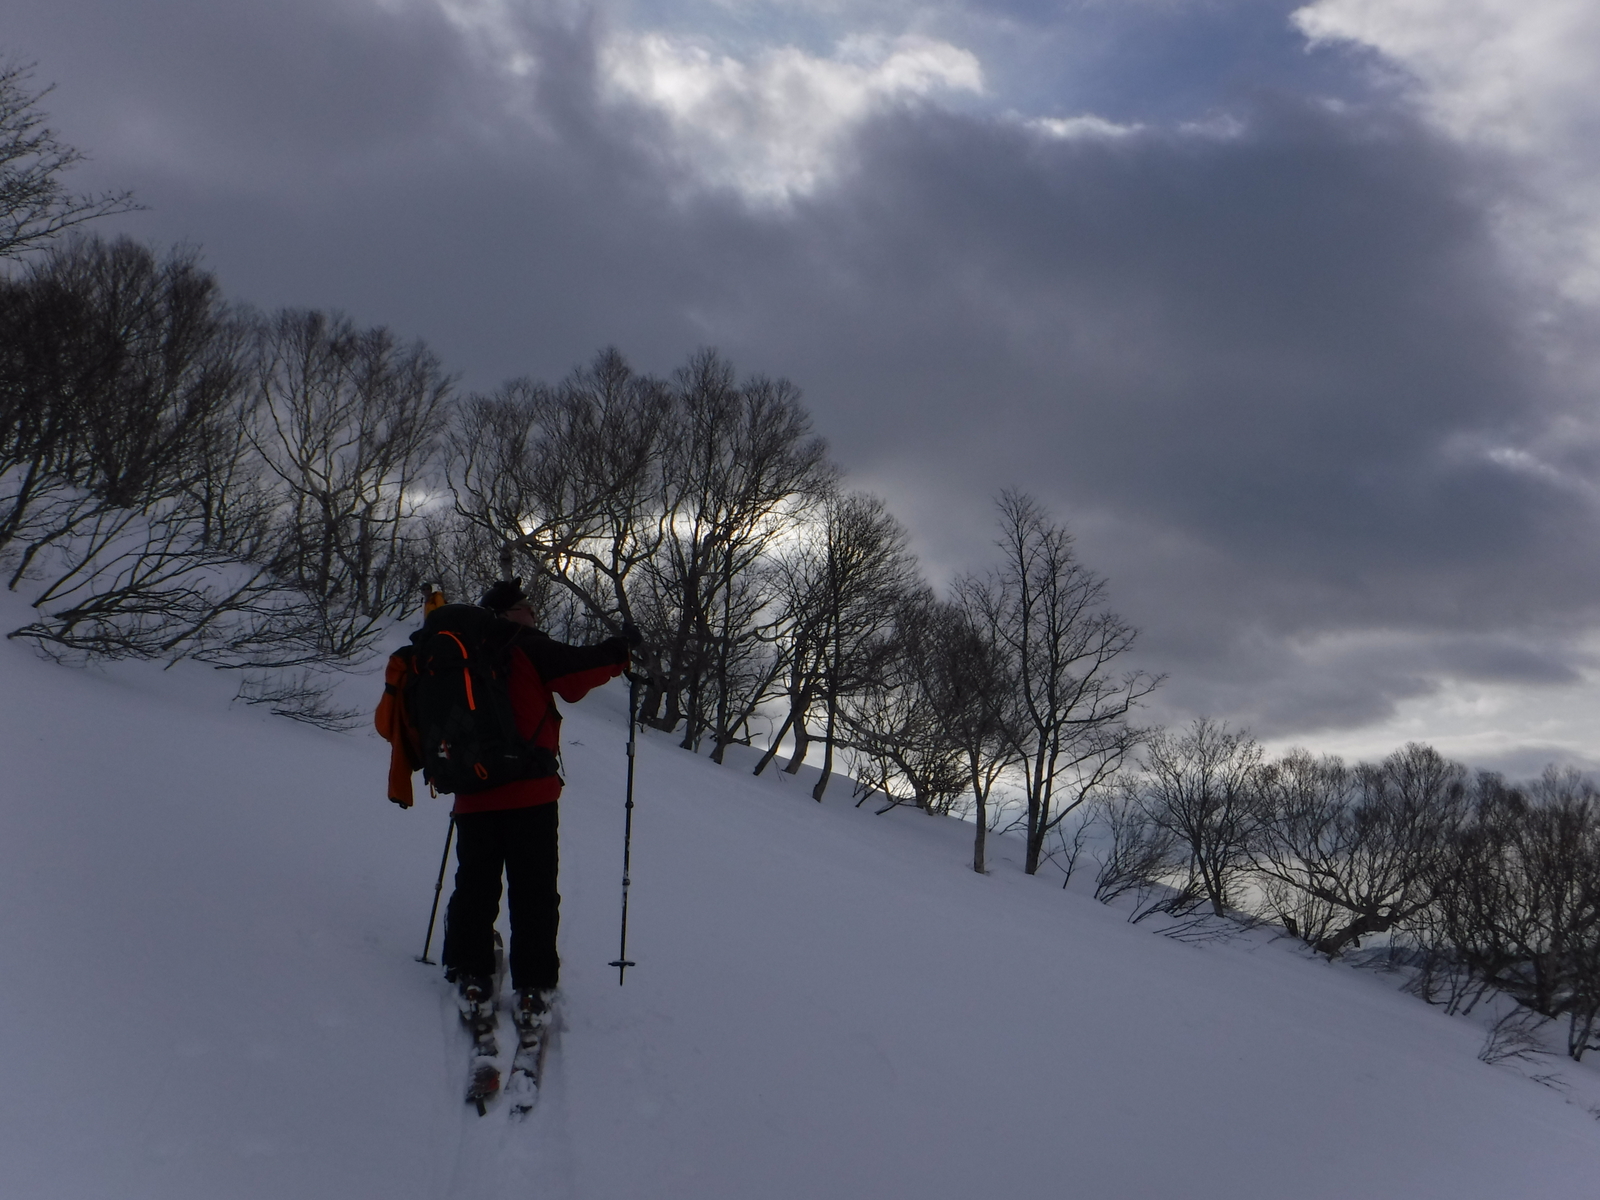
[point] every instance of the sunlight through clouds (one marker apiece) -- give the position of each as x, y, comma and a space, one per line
769, 126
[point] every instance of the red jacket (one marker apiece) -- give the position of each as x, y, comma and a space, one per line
541, 669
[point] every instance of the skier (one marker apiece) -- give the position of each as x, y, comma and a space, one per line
513, 827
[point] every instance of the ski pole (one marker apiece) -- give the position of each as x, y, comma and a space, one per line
622, 964
437, 888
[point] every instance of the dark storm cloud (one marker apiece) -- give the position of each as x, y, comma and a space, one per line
1253, 364
1258, 368
240, 91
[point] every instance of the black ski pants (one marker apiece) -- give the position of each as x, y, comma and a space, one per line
523, 843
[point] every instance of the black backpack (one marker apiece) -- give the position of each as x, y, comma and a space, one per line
458, 699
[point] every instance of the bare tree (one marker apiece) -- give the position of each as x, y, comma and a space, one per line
1137, 851
659, 504
117, 372
43, 329
1198, 787
745, 661
742, 469
964, 680
1357, 848
855, 572
136, 498
1519, 899
35, 205
347, 422
1067, 722
1514, 1037
799, 651
892, 714
144, 585
569, 479
124, 375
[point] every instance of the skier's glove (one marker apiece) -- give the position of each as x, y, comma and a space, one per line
630, 631
615, 649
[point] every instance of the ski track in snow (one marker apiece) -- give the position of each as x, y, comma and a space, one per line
827, 1004
498, 1154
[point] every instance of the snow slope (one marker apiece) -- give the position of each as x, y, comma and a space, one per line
209, 923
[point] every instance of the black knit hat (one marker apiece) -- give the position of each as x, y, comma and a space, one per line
503, 595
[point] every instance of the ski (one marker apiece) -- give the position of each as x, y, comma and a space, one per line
527, 1067
483, 1080
480, 1013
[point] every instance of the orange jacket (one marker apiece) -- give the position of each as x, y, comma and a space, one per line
395, 726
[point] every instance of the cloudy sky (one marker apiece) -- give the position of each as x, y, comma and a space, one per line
1289, 309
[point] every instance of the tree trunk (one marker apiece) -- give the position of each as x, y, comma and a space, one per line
1366, 923
772, 750
981, 798
1035, 840
802, 743
668, 721
827, 752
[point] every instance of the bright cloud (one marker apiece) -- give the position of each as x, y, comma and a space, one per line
1519, 73
1516, 76
770, 126
1088, 126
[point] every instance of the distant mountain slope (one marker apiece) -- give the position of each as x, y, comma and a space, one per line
209, 923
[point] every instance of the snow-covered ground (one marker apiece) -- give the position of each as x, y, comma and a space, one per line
209, 918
